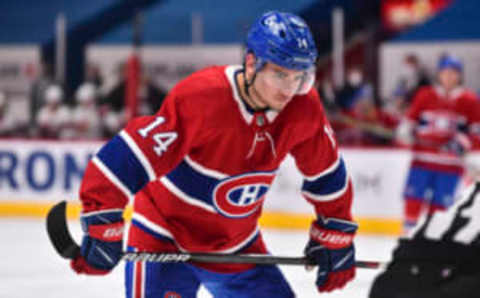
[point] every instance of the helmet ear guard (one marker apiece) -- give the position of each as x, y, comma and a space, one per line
258, 65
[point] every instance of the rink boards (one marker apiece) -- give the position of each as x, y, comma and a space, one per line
35, 174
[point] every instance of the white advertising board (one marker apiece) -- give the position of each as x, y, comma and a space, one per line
42, 170
49, 171
378, 177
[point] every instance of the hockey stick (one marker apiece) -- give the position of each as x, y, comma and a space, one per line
372, 128
65, 245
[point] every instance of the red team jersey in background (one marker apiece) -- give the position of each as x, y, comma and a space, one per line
440, 118
199, 168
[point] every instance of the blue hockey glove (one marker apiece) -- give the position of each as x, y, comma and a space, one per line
101, 246
458, 145
454, 147
331, 247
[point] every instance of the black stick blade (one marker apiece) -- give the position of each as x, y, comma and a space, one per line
58, 233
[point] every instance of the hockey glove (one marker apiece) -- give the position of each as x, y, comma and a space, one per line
101, 246
331, 247
458, 145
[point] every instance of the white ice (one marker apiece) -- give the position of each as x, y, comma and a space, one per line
30, 268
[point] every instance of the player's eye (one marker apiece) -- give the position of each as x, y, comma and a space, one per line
300, 77
281, 75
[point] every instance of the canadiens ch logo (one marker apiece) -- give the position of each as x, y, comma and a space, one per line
240, 196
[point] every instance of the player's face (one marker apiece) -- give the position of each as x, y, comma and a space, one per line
275, 86
449, 78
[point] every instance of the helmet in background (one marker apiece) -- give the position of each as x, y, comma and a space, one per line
451, 62
283, 39
53, 94
85, 93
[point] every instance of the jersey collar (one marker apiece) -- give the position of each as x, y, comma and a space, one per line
247, 114
456, 92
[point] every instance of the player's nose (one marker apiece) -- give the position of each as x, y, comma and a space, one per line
288, 91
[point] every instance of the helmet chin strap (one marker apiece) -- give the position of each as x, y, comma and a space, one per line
247, 83
254, 104
259, 63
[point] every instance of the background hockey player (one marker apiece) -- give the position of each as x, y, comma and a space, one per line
54, 117
438, 125
198, 171
441, 259
85, 116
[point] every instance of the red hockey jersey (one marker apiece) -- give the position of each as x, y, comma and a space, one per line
202, 165
440, 118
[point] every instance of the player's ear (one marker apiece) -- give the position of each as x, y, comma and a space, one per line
250, 60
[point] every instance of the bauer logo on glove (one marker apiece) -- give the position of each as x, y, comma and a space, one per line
331, 247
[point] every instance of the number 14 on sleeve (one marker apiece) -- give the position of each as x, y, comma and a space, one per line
162, 139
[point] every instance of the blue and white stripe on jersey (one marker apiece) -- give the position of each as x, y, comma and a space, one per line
329, 184
193, 183
185, 197
150, 227
124, 164
196, 184
161, 233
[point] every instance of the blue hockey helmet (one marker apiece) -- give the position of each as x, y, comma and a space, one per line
449, 61
283, 39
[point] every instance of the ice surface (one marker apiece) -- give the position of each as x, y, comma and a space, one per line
30, 268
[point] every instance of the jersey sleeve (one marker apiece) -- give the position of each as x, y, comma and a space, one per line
413, 112
326, 183
472, 129
147, 148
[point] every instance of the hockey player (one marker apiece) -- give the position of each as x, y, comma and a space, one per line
198, 170
441, 259
85, 116
439, 126
53, 118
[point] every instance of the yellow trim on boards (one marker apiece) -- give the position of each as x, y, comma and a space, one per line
269, 219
